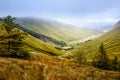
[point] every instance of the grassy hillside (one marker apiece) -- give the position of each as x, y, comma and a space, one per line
44, 38
14, 69
54, 29
47, 63
35, 44
111, 41
40, 48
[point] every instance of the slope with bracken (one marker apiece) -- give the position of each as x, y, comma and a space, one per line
44, 69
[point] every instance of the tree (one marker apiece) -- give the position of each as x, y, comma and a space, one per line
101, 59
12, 39
81, 57
115, 64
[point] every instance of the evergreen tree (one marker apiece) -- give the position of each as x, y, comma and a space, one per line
115, 64
101, 59
12, 39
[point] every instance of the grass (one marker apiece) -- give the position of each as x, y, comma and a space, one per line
40, 46
45, 69
111, 41
35, 45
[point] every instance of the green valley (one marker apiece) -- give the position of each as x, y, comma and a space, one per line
53, 51
111, 41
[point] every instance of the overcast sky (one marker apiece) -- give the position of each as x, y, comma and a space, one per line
75, 12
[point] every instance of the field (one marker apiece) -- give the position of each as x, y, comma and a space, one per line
45, 69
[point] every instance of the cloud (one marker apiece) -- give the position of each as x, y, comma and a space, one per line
110, 16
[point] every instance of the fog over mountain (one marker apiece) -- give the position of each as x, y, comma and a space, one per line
60, 31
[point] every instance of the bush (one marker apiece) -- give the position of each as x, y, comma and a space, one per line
115, 64
23, 54
81, 57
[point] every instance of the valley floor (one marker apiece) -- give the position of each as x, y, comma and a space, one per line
44, 69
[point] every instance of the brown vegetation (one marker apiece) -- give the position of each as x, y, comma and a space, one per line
44, 69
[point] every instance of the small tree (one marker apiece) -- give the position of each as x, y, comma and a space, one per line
115, 64
101, 59
12, 39
81, 57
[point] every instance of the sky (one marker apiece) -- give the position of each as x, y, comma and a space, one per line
76, 12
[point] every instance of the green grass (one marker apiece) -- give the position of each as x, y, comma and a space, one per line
111, 41
43, 49
40, 46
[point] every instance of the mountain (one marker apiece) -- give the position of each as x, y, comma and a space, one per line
54, 29
101, 28
111, 41
44, 38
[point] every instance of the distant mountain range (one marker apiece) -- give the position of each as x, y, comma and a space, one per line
57, 30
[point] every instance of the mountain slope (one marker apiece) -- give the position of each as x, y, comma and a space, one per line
43, 37
111, 41
34, 44
54, 29
39, 47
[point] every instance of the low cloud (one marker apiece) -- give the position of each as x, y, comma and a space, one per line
104, 18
